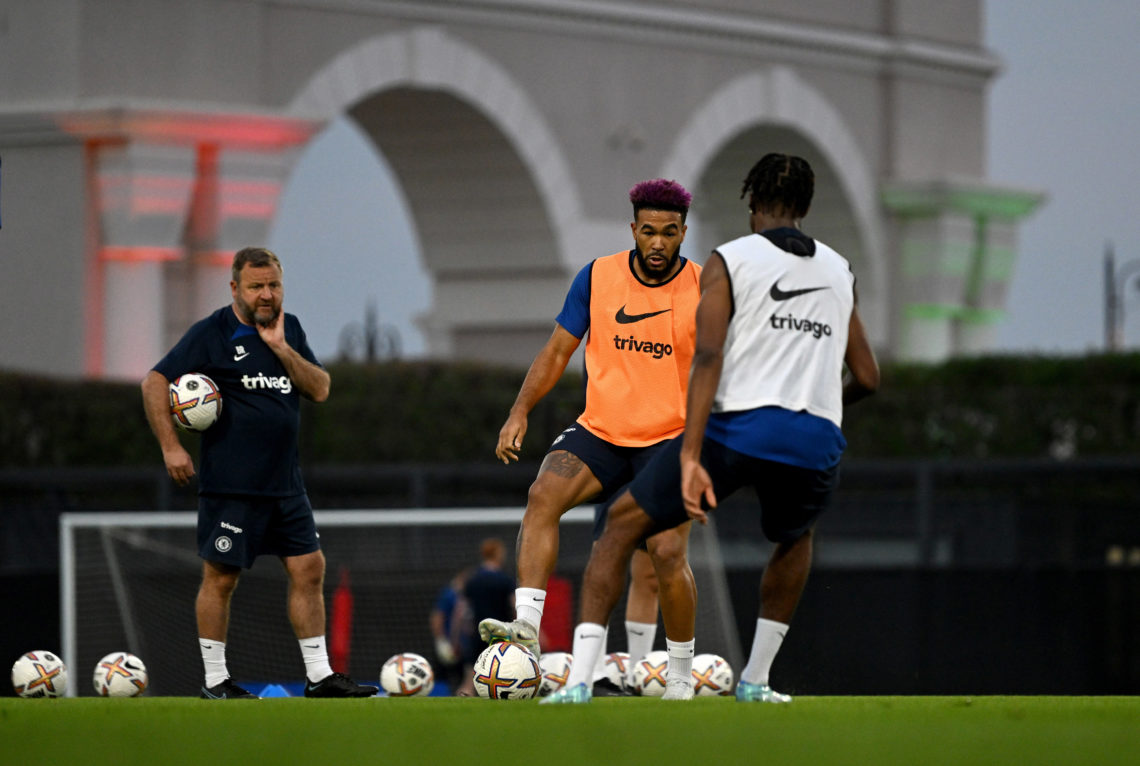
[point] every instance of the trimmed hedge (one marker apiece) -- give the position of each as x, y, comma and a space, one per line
405, 412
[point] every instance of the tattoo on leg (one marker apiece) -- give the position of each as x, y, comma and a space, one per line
564, 464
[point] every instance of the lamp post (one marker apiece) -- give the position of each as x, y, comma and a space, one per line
1115, 291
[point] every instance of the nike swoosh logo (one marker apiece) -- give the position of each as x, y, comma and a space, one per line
636, 632
624, 318
239, 357
312, 646
783, 295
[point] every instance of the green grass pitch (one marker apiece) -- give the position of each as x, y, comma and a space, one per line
879, 731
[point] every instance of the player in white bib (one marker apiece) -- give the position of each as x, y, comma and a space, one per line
776, 325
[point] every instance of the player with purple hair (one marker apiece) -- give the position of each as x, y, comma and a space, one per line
637, 311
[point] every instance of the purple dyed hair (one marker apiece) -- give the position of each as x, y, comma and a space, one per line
660, 194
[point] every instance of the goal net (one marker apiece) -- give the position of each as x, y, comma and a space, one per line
129, 581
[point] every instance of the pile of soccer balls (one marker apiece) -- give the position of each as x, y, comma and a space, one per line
712, 675
503, 671
44, 674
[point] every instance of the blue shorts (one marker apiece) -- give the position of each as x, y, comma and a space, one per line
236, 529
611, 465
791, 498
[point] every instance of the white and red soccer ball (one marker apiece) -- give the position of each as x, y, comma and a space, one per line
506, 670
555, 667
195, 402
712, 676
39, 674
616, 670
649, 674
120, 674
407, 675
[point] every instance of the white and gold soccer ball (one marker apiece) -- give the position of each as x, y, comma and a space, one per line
195, 402
555, 667
39, 674
407, 675
712, 676
506, 670
120, 674
649, 674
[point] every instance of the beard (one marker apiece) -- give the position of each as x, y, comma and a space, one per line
669, 262
265, 321
250, 313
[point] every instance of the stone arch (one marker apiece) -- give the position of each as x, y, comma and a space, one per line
714, 148
518, 193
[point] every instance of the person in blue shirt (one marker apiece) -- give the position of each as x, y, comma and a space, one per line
251, 498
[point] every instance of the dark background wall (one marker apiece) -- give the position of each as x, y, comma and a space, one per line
985, 537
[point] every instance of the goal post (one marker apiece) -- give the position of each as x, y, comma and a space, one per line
128, 581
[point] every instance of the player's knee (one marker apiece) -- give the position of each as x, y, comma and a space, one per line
667, 551
308, 571
221, 583
544, 505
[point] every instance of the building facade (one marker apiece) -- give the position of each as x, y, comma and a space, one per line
143, 141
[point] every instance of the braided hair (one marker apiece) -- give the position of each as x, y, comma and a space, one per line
780, 181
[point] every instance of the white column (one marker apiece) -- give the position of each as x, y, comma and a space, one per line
143, 194
248, 187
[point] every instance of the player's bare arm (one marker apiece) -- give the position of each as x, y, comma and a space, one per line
713, 315
544, 372
311, 380
156, 403
862, 378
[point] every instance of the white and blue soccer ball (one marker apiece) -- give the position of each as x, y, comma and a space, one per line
555, 667
39, 674
712, 676
649, 674
195, 402
407, 675
506, 670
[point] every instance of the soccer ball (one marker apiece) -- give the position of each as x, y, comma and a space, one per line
195, 402
649, 674
555, 667
615, 669
39, 674
507, 670
120, 674
712, 676
407, 675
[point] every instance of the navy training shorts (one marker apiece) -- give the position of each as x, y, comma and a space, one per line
613, 466
791, 498
236, 529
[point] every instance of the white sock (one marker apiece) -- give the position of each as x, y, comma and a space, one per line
769, 636
600, 663
639, 637
214, 661
528, 605
680, 659
316, 658
589, 640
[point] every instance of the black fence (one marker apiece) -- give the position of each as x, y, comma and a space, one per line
971, 576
